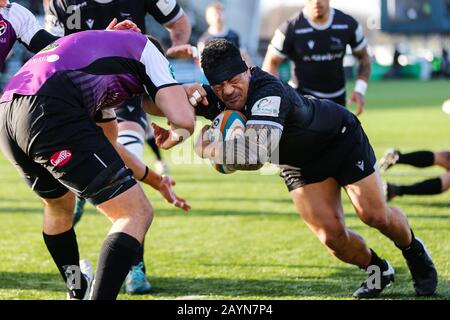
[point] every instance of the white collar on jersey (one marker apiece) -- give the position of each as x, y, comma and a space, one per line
103, 1
219, 34
320, 26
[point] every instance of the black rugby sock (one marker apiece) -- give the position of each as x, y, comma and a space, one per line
427, 187
377, 261
64, 251
419, 159
152, 143
116, 257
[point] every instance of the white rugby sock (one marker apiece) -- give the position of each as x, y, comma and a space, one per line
132, 141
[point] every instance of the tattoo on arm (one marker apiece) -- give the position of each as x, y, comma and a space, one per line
251, 152
364, 68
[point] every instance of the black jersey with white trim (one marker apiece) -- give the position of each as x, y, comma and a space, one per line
318, 51
309, 126
65, 17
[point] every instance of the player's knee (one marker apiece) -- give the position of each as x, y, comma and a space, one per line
443, 159
376, 217
335, 238
63, 205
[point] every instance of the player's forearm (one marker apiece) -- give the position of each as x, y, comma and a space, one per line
364, 68
247, 153
140, 171
180, 31
270, 65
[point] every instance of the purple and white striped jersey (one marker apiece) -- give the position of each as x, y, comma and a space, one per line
96, 69
16, 23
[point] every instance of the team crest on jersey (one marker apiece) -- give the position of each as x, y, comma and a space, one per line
267, 107
61, 158
3, 27
311, 44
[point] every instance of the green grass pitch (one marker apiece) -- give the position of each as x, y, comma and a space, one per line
243, 238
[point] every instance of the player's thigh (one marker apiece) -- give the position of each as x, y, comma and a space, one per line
319, 205
367, 198
442, 158
35, 176
132, 203
73, 149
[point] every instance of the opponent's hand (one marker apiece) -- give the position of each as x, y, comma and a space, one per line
196, 94
164, 138
166, 190
184, 51
357, 98
124, 25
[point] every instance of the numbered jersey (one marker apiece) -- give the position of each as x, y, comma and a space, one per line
65, 17
79, 71
16, 23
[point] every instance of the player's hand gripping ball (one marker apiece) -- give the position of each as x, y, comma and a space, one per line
225, 127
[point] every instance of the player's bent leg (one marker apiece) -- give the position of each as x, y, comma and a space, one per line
445, 179
60, 239
442, 159
131, 215
325, 218
367, 199
132, 136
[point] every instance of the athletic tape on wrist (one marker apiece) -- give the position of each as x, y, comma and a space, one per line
361, 86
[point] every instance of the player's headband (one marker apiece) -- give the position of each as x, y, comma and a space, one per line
225, 71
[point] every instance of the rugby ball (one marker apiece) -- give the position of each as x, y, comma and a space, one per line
446, 107
226, 126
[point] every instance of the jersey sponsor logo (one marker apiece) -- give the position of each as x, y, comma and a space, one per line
360, 165
311, 44
90, 23
267, 107
166, 6
61, 158
3, 27
323, 57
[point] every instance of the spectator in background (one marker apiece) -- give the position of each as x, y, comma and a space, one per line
218, 28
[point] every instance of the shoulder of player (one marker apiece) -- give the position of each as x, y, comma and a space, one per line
342, 17
17, 14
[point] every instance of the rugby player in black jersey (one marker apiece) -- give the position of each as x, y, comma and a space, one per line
320, 148
315, 40
62, 18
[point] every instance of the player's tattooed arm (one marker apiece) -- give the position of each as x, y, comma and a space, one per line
364, 68
250, 152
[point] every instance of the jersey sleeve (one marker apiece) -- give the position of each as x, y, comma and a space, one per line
357, 39
213, 109
55, 18
270, 106
158, 70
282, 40
24, 23
164, 11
